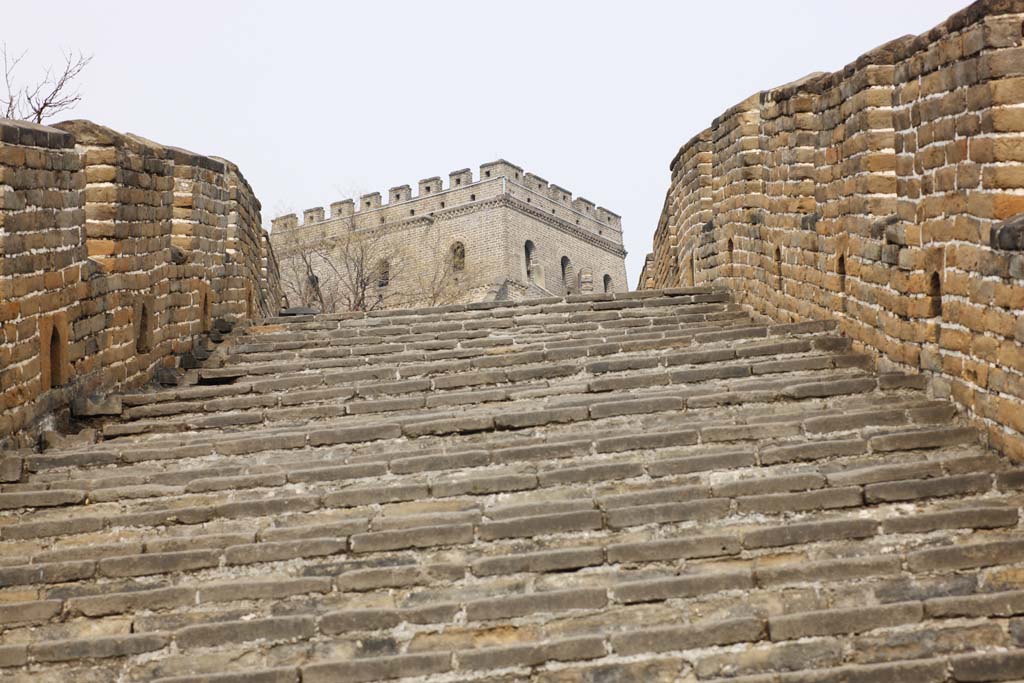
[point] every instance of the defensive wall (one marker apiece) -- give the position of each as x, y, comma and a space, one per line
889, 196
120, 257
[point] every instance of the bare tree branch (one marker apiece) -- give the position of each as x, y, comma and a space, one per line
53, 94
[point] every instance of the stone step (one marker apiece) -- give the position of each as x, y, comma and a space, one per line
475, 425
831, 378
437, 389
641, 487
439, 335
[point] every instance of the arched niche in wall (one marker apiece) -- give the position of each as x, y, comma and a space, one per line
457, 254
54, 368
144, 326
568, 276
606, 282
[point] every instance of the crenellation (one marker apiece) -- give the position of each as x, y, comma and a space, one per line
535, 183
370, 201
459, 178
313, 215
560, 194
583, 205
500, 168
430, 186
401, 193
343, 209
286, 221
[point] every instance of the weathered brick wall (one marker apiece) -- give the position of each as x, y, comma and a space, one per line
884, 196
115, 263
41, 272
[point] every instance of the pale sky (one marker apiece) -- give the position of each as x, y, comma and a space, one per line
316, 100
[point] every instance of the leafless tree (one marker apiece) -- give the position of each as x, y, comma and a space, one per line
446, 275
348, 270
55, 92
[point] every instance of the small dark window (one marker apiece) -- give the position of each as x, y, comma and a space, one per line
458, 256
412, 212
778, 265
487, 174
529, 201
607, 283
935, 292
204, 313
552, 212
528, 258
428, 188
383, 274
367, 204
442, 205
472, 197
458, 181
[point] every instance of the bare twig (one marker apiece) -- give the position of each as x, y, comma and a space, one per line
53, 94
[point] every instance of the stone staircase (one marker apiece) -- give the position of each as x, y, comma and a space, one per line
650, 486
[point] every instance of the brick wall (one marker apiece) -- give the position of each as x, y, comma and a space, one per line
115, 263
882, 195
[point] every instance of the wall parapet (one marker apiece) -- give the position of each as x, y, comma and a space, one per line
887, 195
120, 254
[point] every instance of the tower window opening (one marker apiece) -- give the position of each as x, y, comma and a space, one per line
458, 256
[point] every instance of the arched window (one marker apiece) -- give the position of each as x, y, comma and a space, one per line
458, 256
607, 283
383, 273
567, 275
841, 271
528, 252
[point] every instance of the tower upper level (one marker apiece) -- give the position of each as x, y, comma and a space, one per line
494, 180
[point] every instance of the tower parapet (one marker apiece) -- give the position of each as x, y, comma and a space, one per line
433, 196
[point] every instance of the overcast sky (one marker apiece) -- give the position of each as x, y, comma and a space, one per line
316, 100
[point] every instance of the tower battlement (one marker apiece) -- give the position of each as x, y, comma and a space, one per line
433, 195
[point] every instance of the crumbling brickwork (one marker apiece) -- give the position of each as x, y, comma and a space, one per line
118, 256
884, 196
574, 245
